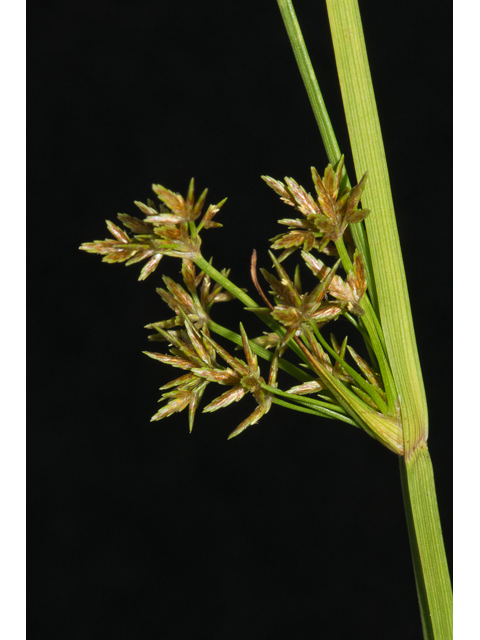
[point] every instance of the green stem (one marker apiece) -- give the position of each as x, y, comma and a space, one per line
325, 409
236, 338
366, 338
307, 401
431, 570
309, 80
434, 588
369, 154
343, 255
366, 304
322, 413
247, 301
225, 282
367, 387
324, 124
385, 370
321, 408
374, 330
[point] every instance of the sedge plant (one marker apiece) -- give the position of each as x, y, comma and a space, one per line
345, 237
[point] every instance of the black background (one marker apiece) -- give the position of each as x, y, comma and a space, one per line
139, 530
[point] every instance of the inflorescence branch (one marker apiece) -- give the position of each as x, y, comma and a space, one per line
356, 392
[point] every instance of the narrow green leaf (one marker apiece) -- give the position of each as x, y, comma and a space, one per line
369, 154
325, 126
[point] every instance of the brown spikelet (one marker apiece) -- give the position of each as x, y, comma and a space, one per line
221, 376
307, 387
370, 375
173, 361
253, 418
328, 215
232, 395
150, 267
177, 404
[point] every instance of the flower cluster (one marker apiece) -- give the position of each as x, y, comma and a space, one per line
368, 378
194, 350
188, 349
294, 309
322, 358
190, 304
167, 230
295, 318
349, 293
324, 218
